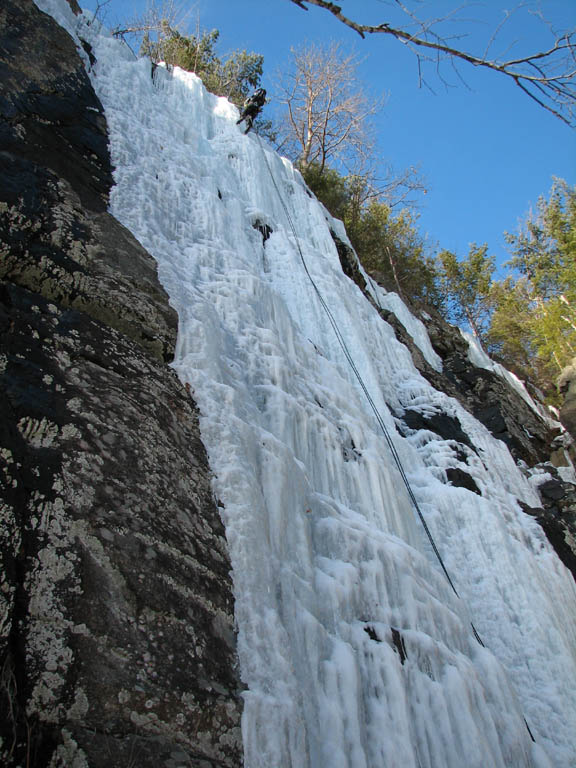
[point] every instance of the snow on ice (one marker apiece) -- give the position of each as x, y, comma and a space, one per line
354, 649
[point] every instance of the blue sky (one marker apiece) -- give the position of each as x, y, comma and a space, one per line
485, 151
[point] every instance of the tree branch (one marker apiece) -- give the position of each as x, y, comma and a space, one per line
550, 72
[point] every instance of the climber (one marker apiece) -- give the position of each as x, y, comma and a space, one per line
252, 107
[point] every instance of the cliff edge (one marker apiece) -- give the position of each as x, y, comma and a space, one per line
116, 626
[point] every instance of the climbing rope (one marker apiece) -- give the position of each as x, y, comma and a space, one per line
368, 396
360, 380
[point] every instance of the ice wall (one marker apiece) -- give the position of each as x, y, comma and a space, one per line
354, 649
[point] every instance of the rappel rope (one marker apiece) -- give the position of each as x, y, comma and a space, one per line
371, 402
352, 364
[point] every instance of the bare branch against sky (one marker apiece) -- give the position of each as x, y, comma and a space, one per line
546, 76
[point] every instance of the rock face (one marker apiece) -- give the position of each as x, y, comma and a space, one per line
512, 420
567, 388
349, 263
117, 642
486, 395
116, 612
557, 515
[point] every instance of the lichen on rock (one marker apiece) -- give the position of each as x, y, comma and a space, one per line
116, 609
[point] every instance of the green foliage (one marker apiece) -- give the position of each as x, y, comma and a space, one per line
388, 245
466, 287
240, 74
544, 252
526, 321
533, 327
233, 77
508, 338
330, 187
520, 334
195, 54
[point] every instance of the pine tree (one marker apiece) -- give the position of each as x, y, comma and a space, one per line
544, 252
466, 287
391, 248
233, 77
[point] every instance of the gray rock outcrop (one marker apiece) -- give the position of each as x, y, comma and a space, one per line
557, 515
567, 389
117, 642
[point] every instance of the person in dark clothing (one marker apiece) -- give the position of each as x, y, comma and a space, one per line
252, 107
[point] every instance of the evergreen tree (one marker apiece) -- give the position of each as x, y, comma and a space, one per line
388, 245
330, 187
466, 287
239, 75
233, 77
533, 324
545, 249
544, 252
510, 337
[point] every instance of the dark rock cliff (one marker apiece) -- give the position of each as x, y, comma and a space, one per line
117, 641
485, 394
567, 388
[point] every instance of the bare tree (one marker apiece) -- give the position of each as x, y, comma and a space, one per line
160, 18
399, 190
547, 76
327, 111
328, 122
